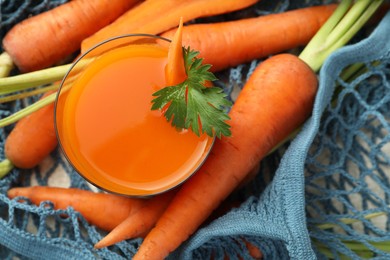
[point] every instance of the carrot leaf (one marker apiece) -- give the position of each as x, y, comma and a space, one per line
191, 104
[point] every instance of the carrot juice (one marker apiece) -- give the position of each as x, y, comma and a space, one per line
109, 133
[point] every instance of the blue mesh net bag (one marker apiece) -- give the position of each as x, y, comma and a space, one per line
324, 195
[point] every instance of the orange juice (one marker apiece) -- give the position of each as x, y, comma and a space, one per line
110, 135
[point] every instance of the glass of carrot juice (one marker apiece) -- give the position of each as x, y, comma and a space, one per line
105, 125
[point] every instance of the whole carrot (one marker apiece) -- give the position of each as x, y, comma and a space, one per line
103, 210
47, 38
275, 101
228, 44
157, 16
32, 139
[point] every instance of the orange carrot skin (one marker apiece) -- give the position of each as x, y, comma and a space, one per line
228, 44
253, 250
139, 223
32, 139
47, 38
175, 70
103, 210
157, 16
276, 100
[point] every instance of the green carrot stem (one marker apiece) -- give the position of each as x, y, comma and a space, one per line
351, 71
29, 93
350, 220
27, 110
343, 24
32, 79
37, 78
356, 26
359, 246
6, 65
328, 253
319, 38
5, 167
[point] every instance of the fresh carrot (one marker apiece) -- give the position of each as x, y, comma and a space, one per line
139, 223
277, 99
47, 38
103, 210
157, 16
253, 250
175, 70
32, 139
227, 44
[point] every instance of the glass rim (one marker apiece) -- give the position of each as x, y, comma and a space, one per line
153, 193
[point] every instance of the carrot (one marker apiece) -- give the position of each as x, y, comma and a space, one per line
253, 250
104, 210
157, 16
261, 115
139, 223
47, 38
175, 70
227, 44
32, 138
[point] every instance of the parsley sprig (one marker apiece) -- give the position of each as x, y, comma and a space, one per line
191, 104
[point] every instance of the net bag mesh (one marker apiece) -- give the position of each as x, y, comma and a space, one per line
322, 195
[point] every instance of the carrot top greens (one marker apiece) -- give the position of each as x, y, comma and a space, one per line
193, 105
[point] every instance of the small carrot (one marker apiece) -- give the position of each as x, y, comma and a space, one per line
103, 210
157, 16
175, 70
139, 223
227, 44
32, 138
258, 115
45, 39
253, 250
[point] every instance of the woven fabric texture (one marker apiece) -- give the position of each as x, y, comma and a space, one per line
337, 168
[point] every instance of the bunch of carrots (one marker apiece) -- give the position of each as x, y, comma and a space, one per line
282, 79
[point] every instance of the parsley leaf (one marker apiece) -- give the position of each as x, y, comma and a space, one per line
192, 105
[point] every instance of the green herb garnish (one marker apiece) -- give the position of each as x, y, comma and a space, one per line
191, 104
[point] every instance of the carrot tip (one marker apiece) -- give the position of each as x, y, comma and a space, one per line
175, 69
104, 242
98, 245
